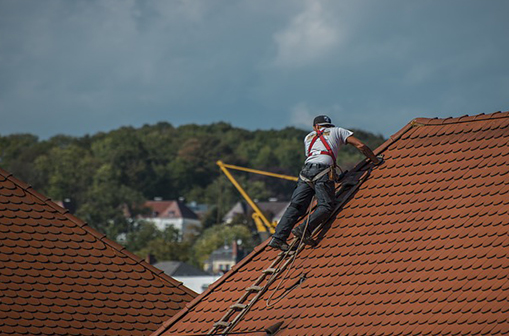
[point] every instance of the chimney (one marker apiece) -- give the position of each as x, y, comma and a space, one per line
150, 259
69, 204
235, 250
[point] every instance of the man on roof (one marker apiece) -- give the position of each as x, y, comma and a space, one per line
317, 179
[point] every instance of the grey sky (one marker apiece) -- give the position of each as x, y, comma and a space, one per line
77, 67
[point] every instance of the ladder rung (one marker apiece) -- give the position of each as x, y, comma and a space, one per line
254, 288
222, 324
238, 306
269, 270
288, 253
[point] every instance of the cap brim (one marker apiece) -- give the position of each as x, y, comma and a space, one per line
325, 124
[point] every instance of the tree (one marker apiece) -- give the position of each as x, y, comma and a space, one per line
147, 239
69, 172
217, 236
111, 175
123, 151
109, 205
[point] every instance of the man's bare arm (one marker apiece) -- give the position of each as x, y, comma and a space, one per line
351, 140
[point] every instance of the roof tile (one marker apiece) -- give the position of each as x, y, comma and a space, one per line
420, 249
60, 277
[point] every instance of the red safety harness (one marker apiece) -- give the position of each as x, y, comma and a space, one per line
334, 170
319, 135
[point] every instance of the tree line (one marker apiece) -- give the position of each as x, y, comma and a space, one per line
108, 174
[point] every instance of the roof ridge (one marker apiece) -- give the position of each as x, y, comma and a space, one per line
100, 236
378, 257
462, 119
167, 324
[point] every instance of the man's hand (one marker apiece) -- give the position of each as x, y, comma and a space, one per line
351, 140
380, 159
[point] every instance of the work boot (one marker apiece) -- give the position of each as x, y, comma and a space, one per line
297, 232
306, 238
278, 244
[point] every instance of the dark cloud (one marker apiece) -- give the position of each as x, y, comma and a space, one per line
79, 67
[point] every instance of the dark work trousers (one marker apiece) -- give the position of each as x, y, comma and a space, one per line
301, 197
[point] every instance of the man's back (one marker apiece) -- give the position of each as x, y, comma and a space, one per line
335, 137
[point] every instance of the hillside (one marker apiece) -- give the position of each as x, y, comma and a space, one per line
104, 172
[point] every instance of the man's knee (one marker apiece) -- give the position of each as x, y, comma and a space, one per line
296, 207
327, 207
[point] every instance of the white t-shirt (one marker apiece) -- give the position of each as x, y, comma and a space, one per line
335, 136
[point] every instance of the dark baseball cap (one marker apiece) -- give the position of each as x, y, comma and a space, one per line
322, 120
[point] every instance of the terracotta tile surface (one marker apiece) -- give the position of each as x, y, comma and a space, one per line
60, 277
422, 248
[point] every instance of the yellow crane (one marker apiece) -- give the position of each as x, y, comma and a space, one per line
263, 225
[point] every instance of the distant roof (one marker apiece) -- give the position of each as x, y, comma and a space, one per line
222, 254
179, 268
270, 209
170, 209
58, 276
422, 248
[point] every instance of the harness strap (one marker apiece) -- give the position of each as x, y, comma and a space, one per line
319, 135
317, 176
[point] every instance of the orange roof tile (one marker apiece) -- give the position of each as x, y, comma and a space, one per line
58, 276
421, 248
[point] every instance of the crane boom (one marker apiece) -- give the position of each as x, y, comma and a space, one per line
256, 171
261, 222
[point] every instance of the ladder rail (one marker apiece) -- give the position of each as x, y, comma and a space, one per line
271, 280
243, 298
275, 271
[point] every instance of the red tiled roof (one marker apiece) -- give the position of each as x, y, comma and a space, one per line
420, 249
58, 276
170, 209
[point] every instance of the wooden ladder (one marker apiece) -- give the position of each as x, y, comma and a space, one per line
252, 293
236, 312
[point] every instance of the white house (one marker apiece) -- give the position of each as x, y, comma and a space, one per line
172, 213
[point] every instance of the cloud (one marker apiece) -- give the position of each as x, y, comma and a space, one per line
302, 114
308, 38
80, 67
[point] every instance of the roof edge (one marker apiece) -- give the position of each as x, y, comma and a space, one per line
102, 237
167, 324
419, 122
462, 119
393, 138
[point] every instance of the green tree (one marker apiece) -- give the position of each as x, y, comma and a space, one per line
123, 151
69, 172
147, 239
109, 205
110, 175
217, 236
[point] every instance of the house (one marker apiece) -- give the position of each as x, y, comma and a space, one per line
172, 213
58, 276
223, 259
199, 209
271, 209
420, 247
190, 276
179, 268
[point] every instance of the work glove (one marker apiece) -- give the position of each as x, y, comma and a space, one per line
380, 159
